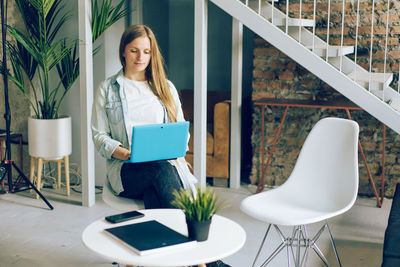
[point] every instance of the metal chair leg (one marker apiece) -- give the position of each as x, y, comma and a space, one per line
284, 243
333, 243
273, 254
297, 262
320, 254
307, 247
294, 244
262, 244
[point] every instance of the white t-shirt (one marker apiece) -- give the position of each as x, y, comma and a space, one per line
143, 106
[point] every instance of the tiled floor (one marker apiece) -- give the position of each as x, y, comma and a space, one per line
31, 235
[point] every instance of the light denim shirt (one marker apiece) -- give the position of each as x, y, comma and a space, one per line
109, 129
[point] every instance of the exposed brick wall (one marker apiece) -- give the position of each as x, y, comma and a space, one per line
275, 75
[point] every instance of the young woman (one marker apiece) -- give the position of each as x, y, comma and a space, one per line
139, 94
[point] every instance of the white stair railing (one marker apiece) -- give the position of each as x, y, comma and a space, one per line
287, 17
386, 43
374, 82
356, 40
341, 38
300, 24
314, 18
371, 45
327, 29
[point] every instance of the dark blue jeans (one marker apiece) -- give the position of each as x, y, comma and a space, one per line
153, 182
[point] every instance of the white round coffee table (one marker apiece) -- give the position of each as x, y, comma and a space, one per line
225, 238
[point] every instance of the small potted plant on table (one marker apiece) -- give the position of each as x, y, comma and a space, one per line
199, 206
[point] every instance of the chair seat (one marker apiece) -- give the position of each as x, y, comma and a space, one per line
270, 208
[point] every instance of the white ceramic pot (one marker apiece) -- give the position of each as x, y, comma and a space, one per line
50, 139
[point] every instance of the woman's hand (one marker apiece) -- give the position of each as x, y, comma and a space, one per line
121, 153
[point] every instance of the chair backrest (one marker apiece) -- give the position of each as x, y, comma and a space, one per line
326, 172
119, 203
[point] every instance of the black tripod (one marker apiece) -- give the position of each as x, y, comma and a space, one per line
7, 163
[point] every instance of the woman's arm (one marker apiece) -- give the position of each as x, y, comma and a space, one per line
103, 142
121, 153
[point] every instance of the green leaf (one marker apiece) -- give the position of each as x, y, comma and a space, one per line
105, 16
55, 16
47, 5
57, 52
27, 43
22, 58
68, 67
197, 205
37, 4
42, 6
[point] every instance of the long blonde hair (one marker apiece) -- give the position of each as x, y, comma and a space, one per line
155, 73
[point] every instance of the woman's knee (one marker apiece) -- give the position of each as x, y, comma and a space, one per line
167, 175
165, 169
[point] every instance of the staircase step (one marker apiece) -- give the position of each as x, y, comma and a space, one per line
378, 80
395, 103
254, 4
280, 22
388, 95
279, 18
373, 77
270, 11
333, 50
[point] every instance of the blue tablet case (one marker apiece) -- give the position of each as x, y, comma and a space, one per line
159, 141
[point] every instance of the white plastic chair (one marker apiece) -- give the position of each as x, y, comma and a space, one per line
323, 184
119, 203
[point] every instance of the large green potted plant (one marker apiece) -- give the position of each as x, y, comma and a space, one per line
199, 207
35, 53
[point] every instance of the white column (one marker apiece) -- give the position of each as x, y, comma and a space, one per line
200, 90
86, 100
236, 104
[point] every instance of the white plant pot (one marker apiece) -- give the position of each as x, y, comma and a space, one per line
50, 139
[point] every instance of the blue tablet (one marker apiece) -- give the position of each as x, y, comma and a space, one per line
159, 141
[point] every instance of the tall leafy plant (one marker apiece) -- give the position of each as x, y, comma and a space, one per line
37, 51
